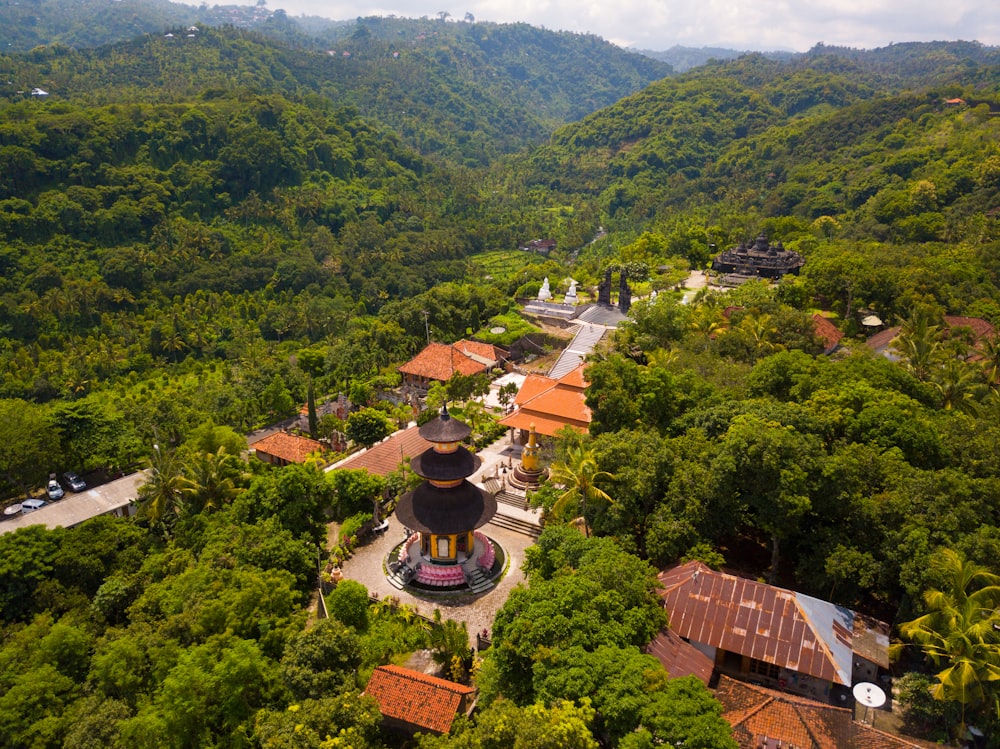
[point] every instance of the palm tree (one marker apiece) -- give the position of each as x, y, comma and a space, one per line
959, 386
960, 631
160, 498
209, 480
578, 475
919, 343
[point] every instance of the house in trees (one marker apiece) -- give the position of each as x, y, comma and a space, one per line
437, 362
762, 717
773, 636
282, 448
411, 701
975, 329
540, 246
549, 405
758, 260
828, 332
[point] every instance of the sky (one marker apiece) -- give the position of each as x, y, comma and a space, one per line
795, 25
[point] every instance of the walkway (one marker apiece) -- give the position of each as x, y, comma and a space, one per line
477, 611
583, 343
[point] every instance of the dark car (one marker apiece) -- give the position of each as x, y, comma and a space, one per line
74, 482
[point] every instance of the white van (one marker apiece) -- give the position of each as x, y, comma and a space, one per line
30, 505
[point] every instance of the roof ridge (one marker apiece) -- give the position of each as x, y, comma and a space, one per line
435, 681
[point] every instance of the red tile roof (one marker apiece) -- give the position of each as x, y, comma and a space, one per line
288, 447
417, 700
385, 457
438, 361
770, 624
755, 712
550, 404
829, 332
980, 328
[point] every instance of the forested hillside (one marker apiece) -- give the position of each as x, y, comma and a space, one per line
199, 234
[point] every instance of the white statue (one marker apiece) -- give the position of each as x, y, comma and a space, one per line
544, 294
571, 294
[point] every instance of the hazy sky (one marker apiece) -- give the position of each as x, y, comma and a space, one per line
738, 24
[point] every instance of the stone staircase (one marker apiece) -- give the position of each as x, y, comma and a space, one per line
479, 582
517, 525
502, 496
583, 343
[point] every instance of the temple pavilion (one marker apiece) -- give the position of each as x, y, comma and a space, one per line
445, 549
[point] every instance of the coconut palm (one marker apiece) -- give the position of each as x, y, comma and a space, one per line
161, 497
578, 475
209, 480
960, 631
919, 343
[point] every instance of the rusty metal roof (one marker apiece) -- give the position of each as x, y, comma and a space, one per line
770, 624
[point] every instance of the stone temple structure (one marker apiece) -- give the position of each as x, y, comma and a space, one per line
445, 549
760, 259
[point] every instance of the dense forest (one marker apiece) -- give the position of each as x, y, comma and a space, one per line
198, 234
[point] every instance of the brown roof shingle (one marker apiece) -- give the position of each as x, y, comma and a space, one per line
385, 457
420, 701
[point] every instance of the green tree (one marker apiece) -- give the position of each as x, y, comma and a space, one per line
210, 480
919, 342
161, 496
348, 603
961, 632
771, 469
27, 451
579, 475
320, 660
368, 426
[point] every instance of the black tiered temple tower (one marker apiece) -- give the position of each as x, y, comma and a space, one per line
446, 509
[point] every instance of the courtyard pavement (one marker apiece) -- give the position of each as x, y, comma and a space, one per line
366, 565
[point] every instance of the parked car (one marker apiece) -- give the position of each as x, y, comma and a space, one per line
74, 482
30, 505
53, 490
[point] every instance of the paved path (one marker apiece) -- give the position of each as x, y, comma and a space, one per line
477, 611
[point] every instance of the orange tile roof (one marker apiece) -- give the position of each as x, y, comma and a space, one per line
533, 385
755, 712
485, 350
575, 378
385, 457
438, 361
551, 404
421, 701
288, 447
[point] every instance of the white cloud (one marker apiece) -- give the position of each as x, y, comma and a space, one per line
739, 24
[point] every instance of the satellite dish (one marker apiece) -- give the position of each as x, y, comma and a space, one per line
871, 321
497, 330
869, 695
